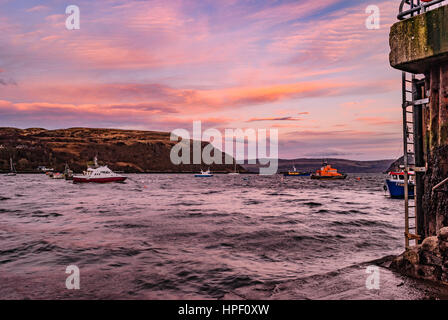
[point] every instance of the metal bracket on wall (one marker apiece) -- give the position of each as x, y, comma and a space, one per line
420, 102
436, 187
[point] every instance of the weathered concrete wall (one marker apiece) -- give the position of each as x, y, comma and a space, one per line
436, 115
420, 45
420, 42
435, 204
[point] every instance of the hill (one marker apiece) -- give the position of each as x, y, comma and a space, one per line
343, 165
130, 151
395, 166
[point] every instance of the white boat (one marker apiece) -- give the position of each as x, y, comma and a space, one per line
234, 173
204, 174
98, 174
57, 176
12, 171
68, 174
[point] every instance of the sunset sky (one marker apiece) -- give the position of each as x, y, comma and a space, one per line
309, 68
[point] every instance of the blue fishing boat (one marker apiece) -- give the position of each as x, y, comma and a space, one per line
395, 185
204, 174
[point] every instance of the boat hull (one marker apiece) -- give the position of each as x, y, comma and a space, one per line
396, 189
289, 174
316, 177
98, 180
203, 175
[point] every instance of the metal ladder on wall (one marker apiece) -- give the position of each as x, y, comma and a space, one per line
410, 204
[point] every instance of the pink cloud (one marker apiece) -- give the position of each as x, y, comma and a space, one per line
37, 8
378, 121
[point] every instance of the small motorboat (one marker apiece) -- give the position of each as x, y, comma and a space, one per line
68, 174
98, 174
204, 174
12, 171
235, 172
295, 173
328, 173
395, 185
57, 176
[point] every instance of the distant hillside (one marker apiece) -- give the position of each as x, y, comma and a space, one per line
395, 166
348, 166
123, 150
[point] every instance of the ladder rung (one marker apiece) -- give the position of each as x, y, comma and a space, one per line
421, 101
412, 236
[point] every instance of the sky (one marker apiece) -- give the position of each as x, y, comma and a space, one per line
310, 69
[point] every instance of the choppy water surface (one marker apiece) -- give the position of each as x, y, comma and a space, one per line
176, 236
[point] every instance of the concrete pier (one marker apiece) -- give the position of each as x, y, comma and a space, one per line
419, 45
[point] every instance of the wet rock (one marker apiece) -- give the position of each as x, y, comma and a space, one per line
429, 258
430, 244
427, 261
443, 248
432, 273
444, 278
406, 263
443, 234
429, 252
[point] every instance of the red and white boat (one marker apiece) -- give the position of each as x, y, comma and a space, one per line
98, 174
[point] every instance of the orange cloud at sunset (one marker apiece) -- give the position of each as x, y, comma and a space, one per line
160, 65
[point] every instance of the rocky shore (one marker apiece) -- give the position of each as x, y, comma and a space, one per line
428, 261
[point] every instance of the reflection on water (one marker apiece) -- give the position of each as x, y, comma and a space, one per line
176, 236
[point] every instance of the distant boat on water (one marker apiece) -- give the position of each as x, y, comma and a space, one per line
57, 176
98, 174
204, 174
295, 173
68, 174
235, 172
395, 185
12, 171
328, 173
